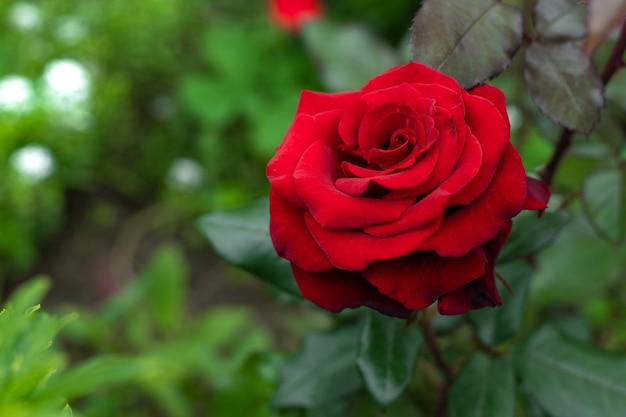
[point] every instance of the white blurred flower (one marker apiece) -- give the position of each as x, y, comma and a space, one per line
16, 94
185, 174
33, 162
25, 16
70, 30
67, 89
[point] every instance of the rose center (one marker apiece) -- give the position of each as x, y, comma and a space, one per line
398, 139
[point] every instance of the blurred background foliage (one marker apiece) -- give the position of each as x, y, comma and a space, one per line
121, 123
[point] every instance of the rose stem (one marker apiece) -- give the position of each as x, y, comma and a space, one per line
431, 341
613, 64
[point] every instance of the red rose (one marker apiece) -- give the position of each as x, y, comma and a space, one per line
399, 195
289, 14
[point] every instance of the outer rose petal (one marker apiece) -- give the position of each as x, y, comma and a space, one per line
419, 279
292, 239
353, 250
492, 132
304, 131
312, 102
335, 290
538, 196
495, 96
477, 223
410, 73
483, 291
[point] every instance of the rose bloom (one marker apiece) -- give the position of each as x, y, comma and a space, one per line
290, 14
399, 195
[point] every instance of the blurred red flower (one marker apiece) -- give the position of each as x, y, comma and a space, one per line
290, 14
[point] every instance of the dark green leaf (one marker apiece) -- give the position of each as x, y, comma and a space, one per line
348, 56
324, 371
241, 237
564, 87
560, 19
604, 202
485, 386
494, 325
571, 379
388, 350
530, 234
471, 41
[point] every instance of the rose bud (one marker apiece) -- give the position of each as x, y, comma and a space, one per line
399, 195
290, 14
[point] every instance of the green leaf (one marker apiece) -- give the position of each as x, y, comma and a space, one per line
166, 283
471, 41
560, 19
530, 234
67, 411
604, 203
577, 265
564, 87
242, 237
102, 372
325, 370
348, 56
494, 325
210, 100
29, 294
485, 386
571, 379
388, 351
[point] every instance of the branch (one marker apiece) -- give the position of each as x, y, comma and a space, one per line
431, 341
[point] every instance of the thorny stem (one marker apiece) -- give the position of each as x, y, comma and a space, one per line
431, 341
613, 64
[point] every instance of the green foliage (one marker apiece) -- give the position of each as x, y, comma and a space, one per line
325, 370
604, 200
450, 45
568, 92
484, 387
242, 237
570, 379
348, 55
388, 351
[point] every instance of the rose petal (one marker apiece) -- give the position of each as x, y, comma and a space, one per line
494, 95
410, 73
335, 290
354, 250
433, 205
352, 121
492, 131
291, 237
537, 197
315, 178
483, 291
450, 146
312, 102
477, 223
419, 279
304, 131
